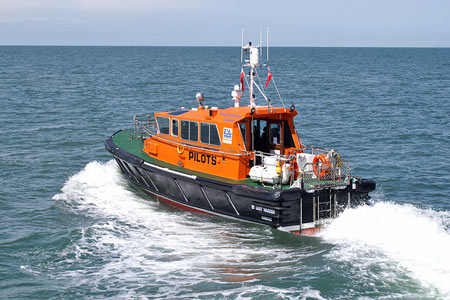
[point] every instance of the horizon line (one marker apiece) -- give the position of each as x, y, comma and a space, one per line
211, 46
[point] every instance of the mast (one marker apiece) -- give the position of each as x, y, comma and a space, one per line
250, 58
252, 78
252, 62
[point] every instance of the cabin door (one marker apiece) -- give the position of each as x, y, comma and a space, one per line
268, 135
276, 136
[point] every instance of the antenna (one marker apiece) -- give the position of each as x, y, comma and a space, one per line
260, 44
267, 46
242, 46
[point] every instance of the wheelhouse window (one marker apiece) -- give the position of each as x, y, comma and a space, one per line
243, 129
260, 139
189, 130
163, 125
209, 134
174, 127
288, 141
274, 133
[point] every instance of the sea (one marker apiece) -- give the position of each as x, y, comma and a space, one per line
72, 227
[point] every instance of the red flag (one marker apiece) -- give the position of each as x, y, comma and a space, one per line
269, 76
242, 79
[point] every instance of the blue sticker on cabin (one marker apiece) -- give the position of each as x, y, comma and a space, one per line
227, 133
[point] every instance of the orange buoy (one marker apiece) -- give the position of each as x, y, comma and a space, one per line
324, 168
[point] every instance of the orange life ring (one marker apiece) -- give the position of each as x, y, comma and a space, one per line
180, 149
325, 167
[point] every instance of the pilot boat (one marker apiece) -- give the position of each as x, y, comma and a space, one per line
241, 162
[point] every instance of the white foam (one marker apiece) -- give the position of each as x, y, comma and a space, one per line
100, 191
138, 240
28, 269
134, 242
414, 239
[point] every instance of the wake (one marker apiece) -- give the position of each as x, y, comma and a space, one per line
131, 233
416, 240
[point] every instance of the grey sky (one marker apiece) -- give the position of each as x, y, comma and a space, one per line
410, 23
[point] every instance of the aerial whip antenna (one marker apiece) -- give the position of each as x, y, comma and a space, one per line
267, 46
260, 43
242, 45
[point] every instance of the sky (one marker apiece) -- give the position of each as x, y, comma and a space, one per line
322, 23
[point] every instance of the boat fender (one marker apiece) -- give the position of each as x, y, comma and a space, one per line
292, 108
278, 168
325, 167
252, 111
366, 185
180, 149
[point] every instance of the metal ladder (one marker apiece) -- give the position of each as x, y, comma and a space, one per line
324, 206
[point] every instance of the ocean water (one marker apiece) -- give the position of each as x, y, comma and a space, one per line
71, 227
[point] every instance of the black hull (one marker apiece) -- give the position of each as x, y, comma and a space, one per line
285, 209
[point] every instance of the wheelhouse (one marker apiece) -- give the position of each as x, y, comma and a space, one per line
223, 139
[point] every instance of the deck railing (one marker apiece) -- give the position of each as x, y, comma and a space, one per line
316, 176
311, 149
144, 125
334, 174
260, 156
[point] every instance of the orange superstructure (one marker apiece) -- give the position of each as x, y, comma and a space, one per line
219, 141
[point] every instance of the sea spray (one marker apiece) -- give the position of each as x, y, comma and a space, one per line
137, 237
414, 239
134, 237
